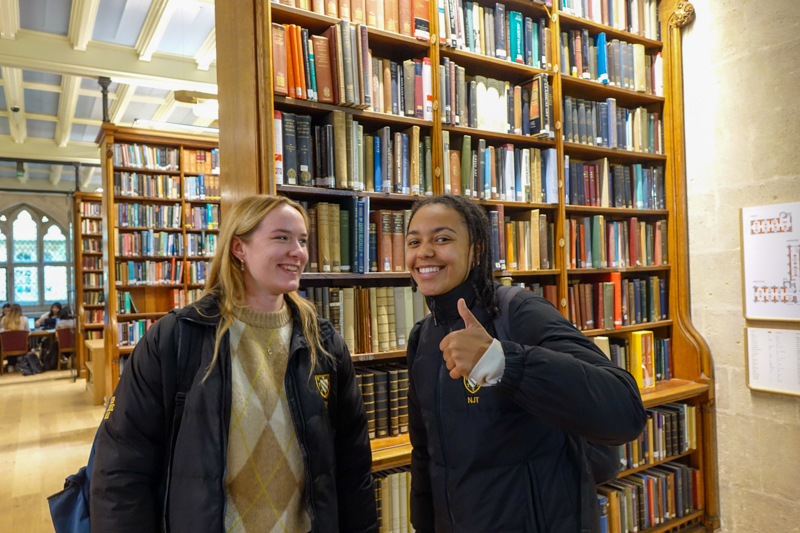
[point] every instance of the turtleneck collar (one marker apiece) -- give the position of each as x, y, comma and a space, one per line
263, 319
444, 307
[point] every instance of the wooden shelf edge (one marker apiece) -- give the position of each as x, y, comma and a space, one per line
356, 112
608, 30
628, 328
505, 138
611, 153
147, 171
671, 391
675, 522
376, 356
610, 91
636, 469
390, 452
589, 209
621, 270
526, 273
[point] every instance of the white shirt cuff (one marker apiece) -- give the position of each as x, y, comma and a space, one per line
490, 367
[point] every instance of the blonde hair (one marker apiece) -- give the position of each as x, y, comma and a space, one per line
14, 319
225, 279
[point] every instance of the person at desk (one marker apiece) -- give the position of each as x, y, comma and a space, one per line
14, 321
55, 309
6, 308
50, 349
65, 318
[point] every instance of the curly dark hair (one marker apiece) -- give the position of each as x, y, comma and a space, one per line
479, 233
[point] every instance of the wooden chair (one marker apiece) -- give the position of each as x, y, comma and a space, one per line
12, 343
66, 343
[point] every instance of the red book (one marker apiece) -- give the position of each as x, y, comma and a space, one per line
383, 235
398, 242
418, 96
573, 237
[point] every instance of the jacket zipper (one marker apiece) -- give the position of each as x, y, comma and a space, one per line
441, 428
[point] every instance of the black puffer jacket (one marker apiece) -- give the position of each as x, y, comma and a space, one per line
128, 482
501, 459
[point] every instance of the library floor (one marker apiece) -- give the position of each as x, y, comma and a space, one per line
47, 424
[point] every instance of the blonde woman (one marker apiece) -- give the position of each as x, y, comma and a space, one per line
14, 320
273, 435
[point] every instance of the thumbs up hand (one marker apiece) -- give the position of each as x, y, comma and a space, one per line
464, 348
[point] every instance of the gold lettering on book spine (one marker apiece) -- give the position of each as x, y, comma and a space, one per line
682, 15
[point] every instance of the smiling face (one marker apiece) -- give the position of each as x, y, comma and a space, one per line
439, 253
274, 257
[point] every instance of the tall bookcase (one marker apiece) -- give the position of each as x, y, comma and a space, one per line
175, 275
89, 272
247, 104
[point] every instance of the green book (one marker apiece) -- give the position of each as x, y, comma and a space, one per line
466, 166
597, 241
608, 304
344, 239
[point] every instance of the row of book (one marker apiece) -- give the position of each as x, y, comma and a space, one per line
594, 242
598, 184
528, 241
93, 316
392, 500
93, 297
149, 272
131, 331
650, 498
200, 161
599, 306
201, 244
338, 67
93, 334
671, 431
504, 172
371, 320
606, 125
384, 390
616, 63
202, 217
92, 262
147, 185
495, 32
148, 216
92, 281
91, 226
125, 303
91, 245
147, 157
340, 154
522, 241
197, 271
494, 105
91, 209
547, 291
646, 357
149, 243
639, 17
202, 187
406, 17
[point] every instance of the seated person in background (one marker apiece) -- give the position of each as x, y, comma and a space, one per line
65, 318
6, 308
14, 320
55, 309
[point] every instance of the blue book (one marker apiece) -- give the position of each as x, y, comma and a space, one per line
366, 261
667, 357
528, 43
377, 174
518, 176
602, 501
517, 53
468, 16
639, 186
568, 176
360, 240
406, 165
603, 110
602, 58
550, 183
352, 209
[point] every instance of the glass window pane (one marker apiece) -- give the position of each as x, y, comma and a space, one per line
55, 246
55, 283
3, 248
26, 285
3, 285
25, 233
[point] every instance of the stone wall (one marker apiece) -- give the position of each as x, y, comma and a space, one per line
741, 67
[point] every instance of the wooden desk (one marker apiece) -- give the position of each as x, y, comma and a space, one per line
95, 370
43, 333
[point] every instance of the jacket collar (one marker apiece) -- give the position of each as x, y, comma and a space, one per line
444, 307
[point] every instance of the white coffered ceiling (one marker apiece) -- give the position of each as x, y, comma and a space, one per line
53, 51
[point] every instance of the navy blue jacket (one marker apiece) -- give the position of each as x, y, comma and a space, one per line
502, 458
129, 479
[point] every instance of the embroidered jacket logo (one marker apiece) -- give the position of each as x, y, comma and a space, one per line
323, 384
471, 385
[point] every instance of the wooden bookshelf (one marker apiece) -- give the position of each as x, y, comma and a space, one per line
153, 300
244, 47
81, 202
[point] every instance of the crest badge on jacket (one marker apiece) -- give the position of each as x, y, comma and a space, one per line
323, 384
